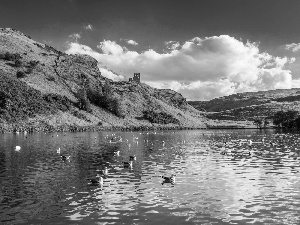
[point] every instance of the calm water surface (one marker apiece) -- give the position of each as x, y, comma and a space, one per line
38, 187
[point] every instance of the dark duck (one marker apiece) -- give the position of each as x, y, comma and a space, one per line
170, 179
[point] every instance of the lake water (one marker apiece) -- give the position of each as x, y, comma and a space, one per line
38, 187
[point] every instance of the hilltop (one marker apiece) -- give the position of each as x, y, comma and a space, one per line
43, 89
249, 105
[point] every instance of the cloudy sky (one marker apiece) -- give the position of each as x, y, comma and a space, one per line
200, 48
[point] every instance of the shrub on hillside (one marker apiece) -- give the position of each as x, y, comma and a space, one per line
3, 99
33, 63
21, 74
107, 88
159, 117
85, 104
113, 105
80, 116
19, 101
50, 78
60, 102
119, 109
77, 114
103, 97
94, 94
29, 70
50, 48
83, 101
297, 122
12, 56
18, 63
8, 56
110, 102
31, 66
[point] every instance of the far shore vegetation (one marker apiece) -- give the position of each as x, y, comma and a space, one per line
281, 119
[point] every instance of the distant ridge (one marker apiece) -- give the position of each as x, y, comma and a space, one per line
249, 105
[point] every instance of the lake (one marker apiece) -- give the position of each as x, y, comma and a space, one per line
221, 177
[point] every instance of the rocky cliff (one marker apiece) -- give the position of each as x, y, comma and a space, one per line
42, 88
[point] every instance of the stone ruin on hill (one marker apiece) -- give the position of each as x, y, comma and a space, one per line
136, 78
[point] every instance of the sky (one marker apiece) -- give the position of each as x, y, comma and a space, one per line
201, 48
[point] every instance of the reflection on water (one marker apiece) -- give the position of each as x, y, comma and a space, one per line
221, 178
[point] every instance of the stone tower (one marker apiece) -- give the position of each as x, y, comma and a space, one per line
137, 77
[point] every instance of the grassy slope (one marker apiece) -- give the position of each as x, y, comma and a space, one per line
63, 76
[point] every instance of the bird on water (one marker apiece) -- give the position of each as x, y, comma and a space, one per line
170, 179
132, 158
65, 157
96, 181
127, 164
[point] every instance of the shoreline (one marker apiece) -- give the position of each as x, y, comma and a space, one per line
68, 128
73, 128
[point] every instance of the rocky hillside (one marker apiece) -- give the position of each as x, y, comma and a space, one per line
250, 105
42, 88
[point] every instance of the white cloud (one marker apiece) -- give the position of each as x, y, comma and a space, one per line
129, 41
76, 48
132, 42
110, 48
200, 69
88, 27
293, 47
75, 36
292, 60
109, 74
172, 45
296, 83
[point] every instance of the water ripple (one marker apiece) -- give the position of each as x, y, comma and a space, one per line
221, 178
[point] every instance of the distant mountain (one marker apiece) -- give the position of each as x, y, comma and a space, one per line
250, 105
43, 89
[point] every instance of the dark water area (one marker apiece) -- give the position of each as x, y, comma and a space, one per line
221, 177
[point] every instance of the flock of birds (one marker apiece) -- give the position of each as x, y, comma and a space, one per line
229, 147
102, 174
232, 151
281, 145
